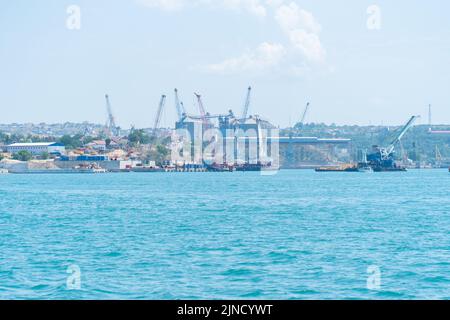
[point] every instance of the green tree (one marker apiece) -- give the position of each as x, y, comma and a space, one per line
161, 155
45, 155
138, 136
72, 142
22, 155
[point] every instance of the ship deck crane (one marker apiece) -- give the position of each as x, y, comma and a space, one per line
386, 152
383, 158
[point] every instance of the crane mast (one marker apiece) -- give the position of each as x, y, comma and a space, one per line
247, 103
159, 113
179, 106
202, 109
305, 112
111, 123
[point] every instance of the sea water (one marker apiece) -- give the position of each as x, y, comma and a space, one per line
293, 235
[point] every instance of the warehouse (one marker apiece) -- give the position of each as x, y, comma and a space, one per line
37, 148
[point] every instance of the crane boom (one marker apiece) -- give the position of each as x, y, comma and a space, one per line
405, 129
302, 121
202, 109
247, 103
159, 113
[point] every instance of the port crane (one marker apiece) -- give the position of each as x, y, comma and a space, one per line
203, 113
290, 152
247, 103
305, 112
383, 158
162, 102
179, 106
111, 123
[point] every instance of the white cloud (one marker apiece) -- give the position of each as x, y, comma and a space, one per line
292, 17
302, 29
309, 44
265, 56
168, 5
255, 7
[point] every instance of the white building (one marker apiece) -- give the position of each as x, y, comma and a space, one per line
97, 145
37, 148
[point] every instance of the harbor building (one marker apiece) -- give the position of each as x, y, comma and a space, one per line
37, 148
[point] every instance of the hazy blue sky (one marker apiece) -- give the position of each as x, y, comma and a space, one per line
291, 52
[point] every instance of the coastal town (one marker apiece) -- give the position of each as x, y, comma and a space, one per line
94, 148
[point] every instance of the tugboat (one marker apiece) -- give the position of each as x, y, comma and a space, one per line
364, 167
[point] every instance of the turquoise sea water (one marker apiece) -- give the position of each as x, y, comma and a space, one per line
295, 235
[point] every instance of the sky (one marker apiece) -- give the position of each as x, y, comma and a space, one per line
356, 61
